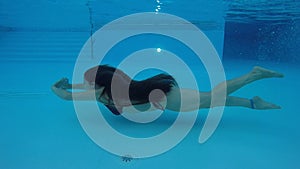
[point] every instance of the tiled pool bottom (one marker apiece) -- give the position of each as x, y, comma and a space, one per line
38, 130
41, 131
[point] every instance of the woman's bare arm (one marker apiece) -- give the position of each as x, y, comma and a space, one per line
60, 88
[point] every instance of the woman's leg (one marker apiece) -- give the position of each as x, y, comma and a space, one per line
189, 99
254, 103
257, 73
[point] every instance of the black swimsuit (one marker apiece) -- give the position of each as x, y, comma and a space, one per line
139, 91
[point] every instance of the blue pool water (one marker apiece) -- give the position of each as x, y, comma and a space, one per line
40, 42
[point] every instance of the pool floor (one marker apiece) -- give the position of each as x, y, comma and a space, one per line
39, 130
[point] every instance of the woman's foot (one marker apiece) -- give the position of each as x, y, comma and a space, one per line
260, 73
260, 104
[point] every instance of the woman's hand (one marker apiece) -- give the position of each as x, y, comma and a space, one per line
60, 89
62, 83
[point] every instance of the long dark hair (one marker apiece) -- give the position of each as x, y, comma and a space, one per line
139, 91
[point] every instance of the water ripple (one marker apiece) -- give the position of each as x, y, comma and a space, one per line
275, 12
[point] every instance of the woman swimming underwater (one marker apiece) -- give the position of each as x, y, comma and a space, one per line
110, 85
